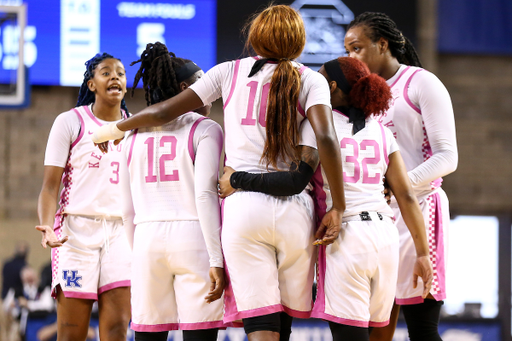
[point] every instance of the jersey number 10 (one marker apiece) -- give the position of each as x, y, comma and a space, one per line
151, 177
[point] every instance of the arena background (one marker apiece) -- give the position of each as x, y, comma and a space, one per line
472, 57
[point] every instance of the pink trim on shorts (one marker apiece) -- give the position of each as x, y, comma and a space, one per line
233, 83
409, 301
131, 147
276, 308
384, 144
403, 72
91, 115
379, 324
80, 295
339, 320
406, 93
319, 307
114, 285
154, 327
191, 138
440, 268
82, 128
202, 325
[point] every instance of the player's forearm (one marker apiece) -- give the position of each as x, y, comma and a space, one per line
413, 218
208, 210
330, 157
163, 112
47, 206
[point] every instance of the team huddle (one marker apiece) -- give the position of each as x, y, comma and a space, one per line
333, 175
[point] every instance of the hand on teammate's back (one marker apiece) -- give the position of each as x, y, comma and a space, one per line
423, 269
217, 284
225, 188
329, 228
49, 238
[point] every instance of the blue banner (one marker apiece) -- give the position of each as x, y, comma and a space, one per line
475, 26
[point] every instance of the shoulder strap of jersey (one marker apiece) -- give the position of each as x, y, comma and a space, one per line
81, 129
406, 92
233, 82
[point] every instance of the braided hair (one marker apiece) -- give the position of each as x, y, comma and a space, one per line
381, 26
158, 69
86, 96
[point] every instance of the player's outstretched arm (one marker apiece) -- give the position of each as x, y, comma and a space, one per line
47, 206
400, 184
320, 117
152, 116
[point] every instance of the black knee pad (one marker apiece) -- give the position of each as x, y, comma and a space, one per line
151, 336
423, 320
271, 322
286, 327
342, 332
200, 335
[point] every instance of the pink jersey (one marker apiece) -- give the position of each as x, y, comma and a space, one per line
365, 158
173, 172
422, 121
245, 104
90, 177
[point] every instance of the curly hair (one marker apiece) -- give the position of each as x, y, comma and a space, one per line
369, 92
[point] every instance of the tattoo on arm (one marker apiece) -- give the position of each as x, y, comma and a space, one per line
310, 156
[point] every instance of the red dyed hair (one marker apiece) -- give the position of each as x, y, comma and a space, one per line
370, 92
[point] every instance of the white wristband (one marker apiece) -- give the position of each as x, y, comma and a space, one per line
107, 132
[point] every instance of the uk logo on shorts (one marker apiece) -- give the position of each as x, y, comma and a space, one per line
71, 277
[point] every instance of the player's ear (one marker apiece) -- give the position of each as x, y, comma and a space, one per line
183, 86
91, 85
333, 86
383, 45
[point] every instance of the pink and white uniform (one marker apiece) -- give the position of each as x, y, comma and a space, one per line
355, 271
422, 121
97, 257
267, 241
170, 194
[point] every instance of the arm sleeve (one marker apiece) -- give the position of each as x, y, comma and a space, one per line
128, 211
208, 151
44, 303
275, 183
210, 86
64, 132
431, 96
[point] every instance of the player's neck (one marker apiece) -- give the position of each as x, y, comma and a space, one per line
106, 112
390, 68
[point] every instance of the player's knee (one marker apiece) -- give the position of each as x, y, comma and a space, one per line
151, 336
271, 322
200, 335
423, 320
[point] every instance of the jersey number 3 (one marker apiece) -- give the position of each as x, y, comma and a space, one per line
151, 177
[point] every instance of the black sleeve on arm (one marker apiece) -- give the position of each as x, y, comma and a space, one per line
275, 183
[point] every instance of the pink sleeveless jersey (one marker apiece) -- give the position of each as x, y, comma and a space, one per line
405, 120
90, 177
161, 165
365, 162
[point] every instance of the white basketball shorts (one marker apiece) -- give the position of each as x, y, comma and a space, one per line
96, 258
437, 217
269, 254
171, 279
356, 274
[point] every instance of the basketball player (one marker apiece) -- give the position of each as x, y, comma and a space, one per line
421, 119
173, 172
267, 241
94, 264
354, 272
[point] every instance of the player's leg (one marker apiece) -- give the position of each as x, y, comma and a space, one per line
386, 333
73, 315
114, 314
266, 327
341, 332
423, 320
286, 327
200, 335
151, 336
